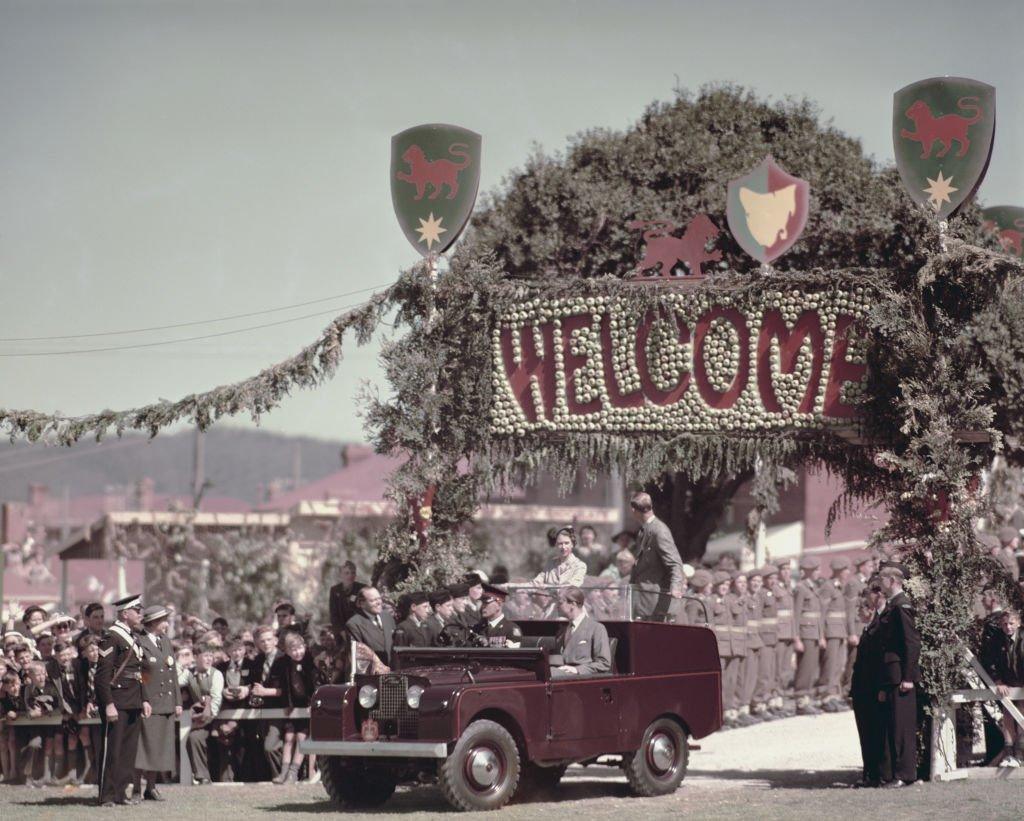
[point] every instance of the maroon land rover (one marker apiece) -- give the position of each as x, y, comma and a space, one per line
485, 723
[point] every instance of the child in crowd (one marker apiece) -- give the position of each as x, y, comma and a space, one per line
91, 735
299, 683
41, 699
238, 679
11, 740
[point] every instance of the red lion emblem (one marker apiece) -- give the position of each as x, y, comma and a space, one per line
948, 129
1013, 240
665, 250
438, 173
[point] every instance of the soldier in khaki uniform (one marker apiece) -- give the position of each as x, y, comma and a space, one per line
721, 623
858, 580
836, 609
765, 690
738, 631
751, 605
785, 660
701, 583
810, 637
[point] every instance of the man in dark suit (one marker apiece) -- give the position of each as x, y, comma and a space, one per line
343, 596
156, 744
372, 625
123, 700
414, 631
583, 641
900, 646
658, 570
864, 689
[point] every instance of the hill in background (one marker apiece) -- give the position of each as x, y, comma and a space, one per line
239, 462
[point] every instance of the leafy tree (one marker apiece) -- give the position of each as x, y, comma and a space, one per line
565, 215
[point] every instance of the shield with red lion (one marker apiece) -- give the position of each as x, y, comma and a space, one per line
767, 210
435, 172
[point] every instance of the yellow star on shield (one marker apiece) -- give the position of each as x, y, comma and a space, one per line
939, 190
430, 230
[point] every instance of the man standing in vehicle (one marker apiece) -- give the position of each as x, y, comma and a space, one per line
659, 569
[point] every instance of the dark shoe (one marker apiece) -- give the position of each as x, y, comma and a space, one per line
152, 795
866, 784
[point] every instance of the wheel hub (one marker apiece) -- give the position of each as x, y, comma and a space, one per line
661, 753
483, 767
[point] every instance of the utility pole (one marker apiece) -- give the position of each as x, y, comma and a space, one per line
198, 468
297, 465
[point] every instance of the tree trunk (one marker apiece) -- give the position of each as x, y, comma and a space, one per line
692, 508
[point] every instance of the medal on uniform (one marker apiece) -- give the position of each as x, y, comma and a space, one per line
170, 661
152, 659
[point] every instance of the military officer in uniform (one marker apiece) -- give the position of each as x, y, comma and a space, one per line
855, 586
493, 626
156, 740
123, 699
810, 636
900, 646
701, 583
750, 636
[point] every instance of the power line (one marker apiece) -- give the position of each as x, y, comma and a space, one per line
187, 338
73, 455
187, 324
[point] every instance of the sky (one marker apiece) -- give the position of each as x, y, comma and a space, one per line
169, 162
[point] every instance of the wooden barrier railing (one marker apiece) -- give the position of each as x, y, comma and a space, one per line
184, 725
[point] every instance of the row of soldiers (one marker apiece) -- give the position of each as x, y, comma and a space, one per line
777, 637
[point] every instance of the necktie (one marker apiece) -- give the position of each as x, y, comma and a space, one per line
91, 678
376, 620
266, 665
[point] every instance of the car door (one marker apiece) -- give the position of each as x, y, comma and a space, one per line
583, 715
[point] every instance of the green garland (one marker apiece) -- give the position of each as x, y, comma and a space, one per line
310, 367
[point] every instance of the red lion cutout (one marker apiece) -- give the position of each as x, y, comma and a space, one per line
1013, 240
438, 173
947, 129
665, 250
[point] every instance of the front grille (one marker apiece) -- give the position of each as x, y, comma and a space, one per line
393, 713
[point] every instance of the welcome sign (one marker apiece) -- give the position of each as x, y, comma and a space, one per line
701, 362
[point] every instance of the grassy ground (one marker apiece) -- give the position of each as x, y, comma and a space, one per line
800, 768
585, 794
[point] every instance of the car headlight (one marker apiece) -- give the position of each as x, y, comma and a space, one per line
412, 697
367, 696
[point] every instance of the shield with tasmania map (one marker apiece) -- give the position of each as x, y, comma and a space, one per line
1007, 223
767, 210
435, 172
942, 133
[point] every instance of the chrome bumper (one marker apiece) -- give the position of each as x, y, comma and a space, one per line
375, 749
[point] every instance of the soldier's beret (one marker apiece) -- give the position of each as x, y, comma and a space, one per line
840, 563
861, 561
757, 571
737, 574
809, 563
1007, 534
474, 578
781, 563
459, 590
721, 576
701, 579
418, 597
769, 570
439, 597
492, 593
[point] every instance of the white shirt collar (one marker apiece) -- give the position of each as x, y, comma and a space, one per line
496, 620
579, 619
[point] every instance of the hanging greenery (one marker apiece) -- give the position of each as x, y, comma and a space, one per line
310, 367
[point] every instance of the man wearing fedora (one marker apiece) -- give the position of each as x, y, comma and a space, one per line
156, 741
123, 699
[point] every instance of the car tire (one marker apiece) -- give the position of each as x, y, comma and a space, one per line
482, 773
659, 766
538, 782
350, 783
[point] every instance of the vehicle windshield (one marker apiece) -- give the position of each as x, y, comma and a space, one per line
612, 601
